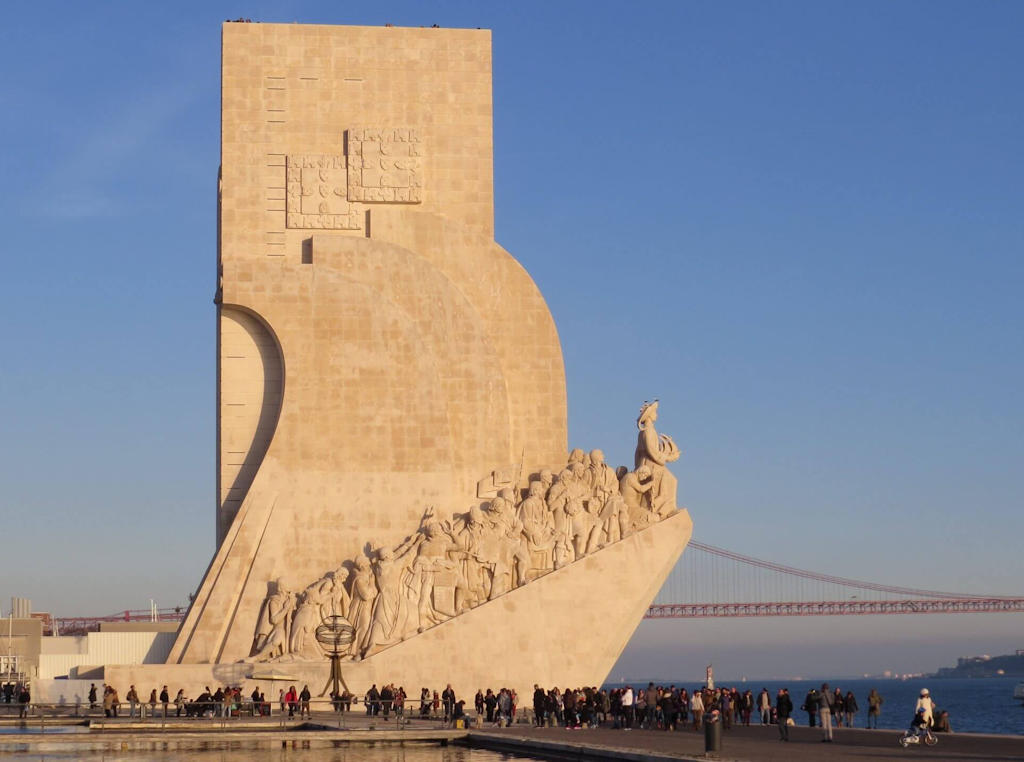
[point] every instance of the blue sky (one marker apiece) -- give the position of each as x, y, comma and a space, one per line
797, 224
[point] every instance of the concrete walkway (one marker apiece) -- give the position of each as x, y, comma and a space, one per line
748, 744
753, 743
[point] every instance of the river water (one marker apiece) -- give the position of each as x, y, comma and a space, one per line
246, 751
974, 706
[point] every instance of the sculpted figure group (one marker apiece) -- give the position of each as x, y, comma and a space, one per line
448, 567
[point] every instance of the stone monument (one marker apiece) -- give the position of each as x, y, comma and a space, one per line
391, 394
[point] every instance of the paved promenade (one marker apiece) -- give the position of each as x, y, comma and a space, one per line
752, 744
758, 743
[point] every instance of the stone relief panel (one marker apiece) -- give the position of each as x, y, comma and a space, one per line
384, 165
317, 193
447, 567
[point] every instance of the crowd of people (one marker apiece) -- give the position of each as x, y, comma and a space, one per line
17, 693
653, 707
222, 702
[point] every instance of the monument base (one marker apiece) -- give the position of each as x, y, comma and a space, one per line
565, 629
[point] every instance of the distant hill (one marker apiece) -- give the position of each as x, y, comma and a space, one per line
1010, 665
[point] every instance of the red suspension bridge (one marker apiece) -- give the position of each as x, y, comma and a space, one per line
715, 582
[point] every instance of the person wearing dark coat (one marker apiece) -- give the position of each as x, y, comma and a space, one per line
850, 707
540, 699
811, 706
783, 708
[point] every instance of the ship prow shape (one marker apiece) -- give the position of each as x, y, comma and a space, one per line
569, 626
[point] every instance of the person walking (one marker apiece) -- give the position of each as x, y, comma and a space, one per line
92, 696
783, 708
875, 702
165, 699
825, 703
304, 698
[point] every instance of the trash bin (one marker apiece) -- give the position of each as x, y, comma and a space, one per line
712, 733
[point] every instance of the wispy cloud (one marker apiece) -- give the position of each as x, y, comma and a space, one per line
82, 184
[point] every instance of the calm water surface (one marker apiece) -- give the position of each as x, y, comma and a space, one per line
247, 751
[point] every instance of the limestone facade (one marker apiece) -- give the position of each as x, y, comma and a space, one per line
382, 359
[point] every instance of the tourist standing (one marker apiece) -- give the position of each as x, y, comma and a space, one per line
539, 699
697, 707
400, 703
24, 699
179, 702
133, 701
165, 699
811, 706
304, 698
92, 696
746, 706
627, 707
825, 703
875, 702
850, 707
764, 706
448, 699
783, 708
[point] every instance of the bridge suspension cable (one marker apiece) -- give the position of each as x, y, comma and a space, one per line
715, 582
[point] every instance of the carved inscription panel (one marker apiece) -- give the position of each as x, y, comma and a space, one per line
384, 165
317, 195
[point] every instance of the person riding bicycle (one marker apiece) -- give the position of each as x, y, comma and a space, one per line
919, 725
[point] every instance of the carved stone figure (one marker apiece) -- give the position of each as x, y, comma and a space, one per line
513, 557
538, 528
604, 486
273, 629
390, 619
546, 479
446, 568
655, 451
579, 518
436, 574
364, 592
633, 488
302, 644
476, 555
334, 598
